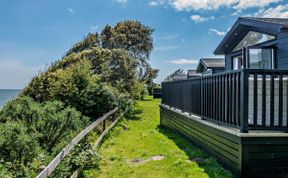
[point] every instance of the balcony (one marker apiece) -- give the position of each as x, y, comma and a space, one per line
246, 99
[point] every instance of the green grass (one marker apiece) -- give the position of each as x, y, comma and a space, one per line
141, 137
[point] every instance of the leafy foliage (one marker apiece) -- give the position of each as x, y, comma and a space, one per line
92, 40
75, 86
96, 75
130, 35
30, 129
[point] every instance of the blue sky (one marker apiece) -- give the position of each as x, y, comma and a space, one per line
34, 33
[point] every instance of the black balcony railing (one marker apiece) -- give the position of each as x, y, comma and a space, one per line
248, 99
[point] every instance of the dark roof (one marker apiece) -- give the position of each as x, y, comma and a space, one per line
179, 77
193, 73
245, 24
210, 63
280, 21
213, 62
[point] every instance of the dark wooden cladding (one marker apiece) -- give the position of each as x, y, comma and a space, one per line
245, 154
247, 99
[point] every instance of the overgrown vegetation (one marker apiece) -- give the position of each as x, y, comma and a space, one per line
128, 150
97, 74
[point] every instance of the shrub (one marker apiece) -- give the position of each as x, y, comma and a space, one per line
51, 122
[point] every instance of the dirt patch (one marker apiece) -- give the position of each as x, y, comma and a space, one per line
142, 161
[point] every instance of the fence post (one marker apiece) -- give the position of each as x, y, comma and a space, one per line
244, 94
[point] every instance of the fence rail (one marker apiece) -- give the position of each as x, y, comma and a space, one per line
65, 151
246, 99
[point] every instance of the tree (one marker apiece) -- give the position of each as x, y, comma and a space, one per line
136, 38
92, 40
130, 35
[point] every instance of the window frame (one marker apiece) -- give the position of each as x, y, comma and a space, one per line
273, 60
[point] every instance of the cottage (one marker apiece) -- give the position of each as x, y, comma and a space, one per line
240, 114
256, 43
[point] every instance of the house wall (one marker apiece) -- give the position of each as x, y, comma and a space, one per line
281, 53
228, 62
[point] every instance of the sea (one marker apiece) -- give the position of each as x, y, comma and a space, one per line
7, 94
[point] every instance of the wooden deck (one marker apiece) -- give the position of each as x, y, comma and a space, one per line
245, 154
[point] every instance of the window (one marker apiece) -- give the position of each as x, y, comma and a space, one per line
253, 38
237, 62
261, 58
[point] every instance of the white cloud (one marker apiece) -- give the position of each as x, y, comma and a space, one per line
217, 32
200, 4
280, 11
170, 37
122, 1
188, 5
244, 4
71, 10
93, 28
165, 48
184, 61
156, 3
198, 18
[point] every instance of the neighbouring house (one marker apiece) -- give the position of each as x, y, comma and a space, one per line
240, 115
207, 66
175, 77
191, 73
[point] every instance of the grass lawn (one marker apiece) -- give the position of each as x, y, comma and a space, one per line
128, 150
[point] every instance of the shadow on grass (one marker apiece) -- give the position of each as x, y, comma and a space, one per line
195, 154
133, 114
147, 99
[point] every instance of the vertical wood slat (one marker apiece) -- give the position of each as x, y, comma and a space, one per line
263, 99
244, 102
287, 101
237, 100
214, 97
228, 99
233, 99
255, 100
202, 96
220, 99
223, 98
280, 100
272, 100
217, 98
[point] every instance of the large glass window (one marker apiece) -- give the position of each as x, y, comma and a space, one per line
253, 38
261, 58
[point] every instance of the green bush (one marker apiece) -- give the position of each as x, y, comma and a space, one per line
30, 129
52, 122
17, 147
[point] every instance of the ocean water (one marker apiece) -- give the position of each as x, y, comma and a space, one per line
7, 94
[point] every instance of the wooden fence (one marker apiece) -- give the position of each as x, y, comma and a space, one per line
65, 151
